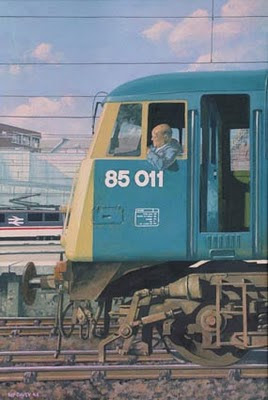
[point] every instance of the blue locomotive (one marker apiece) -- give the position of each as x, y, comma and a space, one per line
170, 211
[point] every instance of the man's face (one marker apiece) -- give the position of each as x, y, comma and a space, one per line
158, 138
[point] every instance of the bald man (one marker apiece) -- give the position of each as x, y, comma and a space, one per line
165, 149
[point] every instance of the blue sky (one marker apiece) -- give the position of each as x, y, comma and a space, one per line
159, 38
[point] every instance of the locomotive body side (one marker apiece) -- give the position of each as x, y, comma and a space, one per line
211, 205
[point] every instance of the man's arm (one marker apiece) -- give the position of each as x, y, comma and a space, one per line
163, 159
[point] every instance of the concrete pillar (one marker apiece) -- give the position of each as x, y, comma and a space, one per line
13, 298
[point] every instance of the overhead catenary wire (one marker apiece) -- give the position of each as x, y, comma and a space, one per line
83, 135
36, 16
75, 163
115, 63
48, 116
87, 96
212, 31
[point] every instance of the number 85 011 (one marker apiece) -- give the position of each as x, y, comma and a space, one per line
141, 178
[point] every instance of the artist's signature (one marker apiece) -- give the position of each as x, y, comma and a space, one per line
23, 395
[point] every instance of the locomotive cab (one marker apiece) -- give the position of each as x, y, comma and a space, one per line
127, 200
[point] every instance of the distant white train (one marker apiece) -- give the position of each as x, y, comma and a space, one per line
30, 224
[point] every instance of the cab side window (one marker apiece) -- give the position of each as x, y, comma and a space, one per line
172, 114
126, 134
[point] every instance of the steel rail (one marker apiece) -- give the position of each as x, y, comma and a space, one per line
68, 357
126, 371
30, 330
28, 321
28, 326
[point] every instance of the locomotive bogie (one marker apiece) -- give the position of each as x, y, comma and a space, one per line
208, 318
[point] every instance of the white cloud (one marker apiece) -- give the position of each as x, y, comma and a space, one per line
227, 30
190, 34
44, 52
239, 51
156, 31
14, 69
233, 39
203, 60
183, 36
43, 106
244, 7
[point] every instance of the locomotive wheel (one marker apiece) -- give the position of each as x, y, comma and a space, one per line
189, 345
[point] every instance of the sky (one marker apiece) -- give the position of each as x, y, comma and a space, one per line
40, 40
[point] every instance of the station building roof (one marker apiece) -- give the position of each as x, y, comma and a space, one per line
15, 129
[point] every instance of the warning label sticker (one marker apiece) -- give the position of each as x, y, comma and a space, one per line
146, 217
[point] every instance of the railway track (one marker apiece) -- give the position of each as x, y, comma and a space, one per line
28, 326
68, 357
30, 366
83, 365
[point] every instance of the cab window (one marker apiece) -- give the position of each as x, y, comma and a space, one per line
126, 134
172, 114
